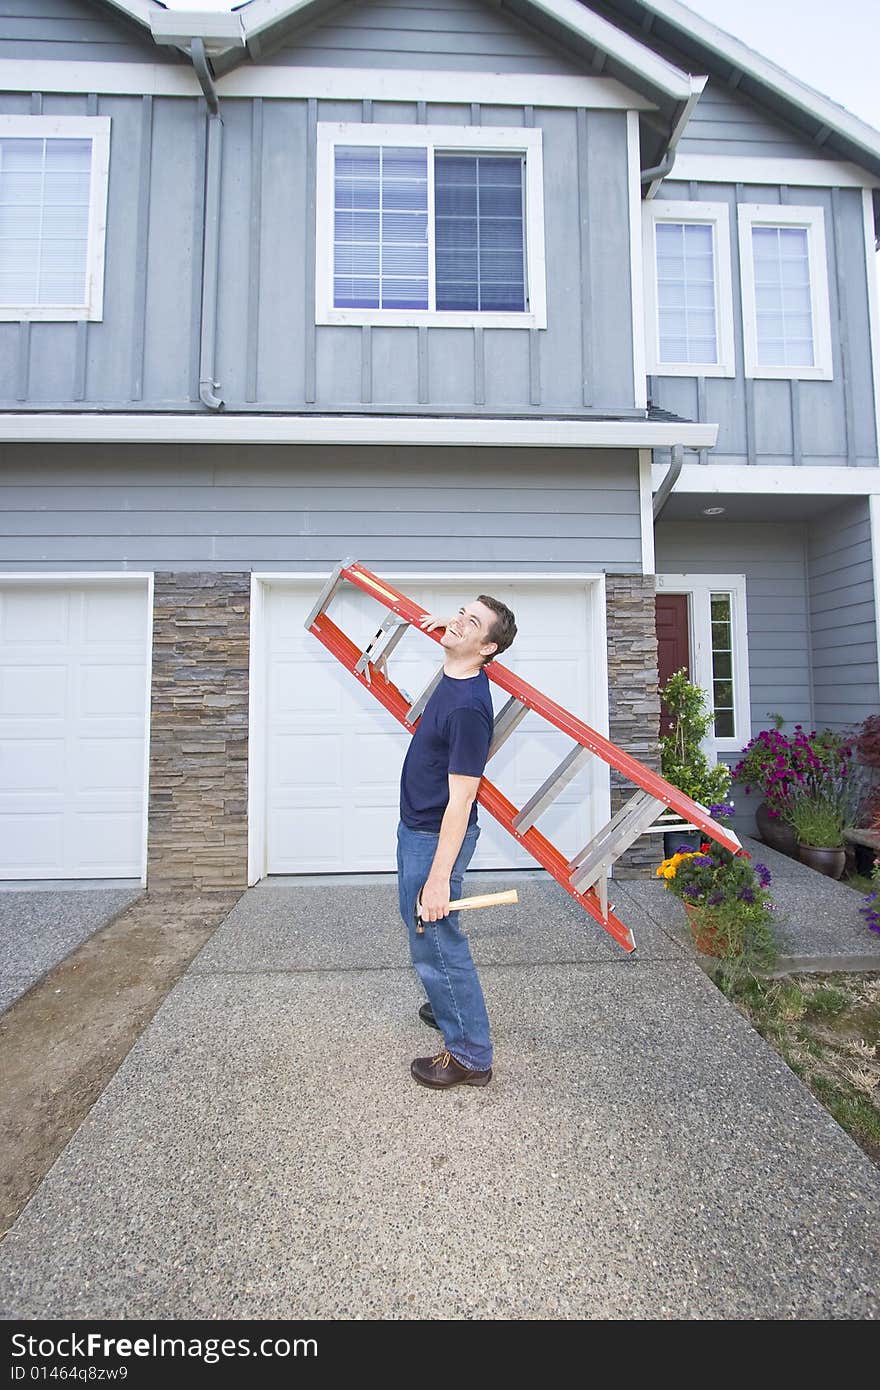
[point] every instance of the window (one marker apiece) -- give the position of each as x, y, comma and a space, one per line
786, 317
718, 650
430, 224
53, 200
688, 290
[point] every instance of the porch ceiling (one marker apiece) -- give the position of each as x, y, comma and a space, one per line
688, 506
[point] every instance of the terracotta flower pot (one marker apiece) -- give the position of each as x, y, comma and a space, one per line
709, 937
776, 832
829, 860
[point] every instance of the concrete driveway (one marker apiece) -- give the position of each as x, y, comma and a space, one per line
263, 1152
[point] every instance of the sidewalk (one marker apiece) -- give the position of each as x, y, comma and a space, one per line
640, 1153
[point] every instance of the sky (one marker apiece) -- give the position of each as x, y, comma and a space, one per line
830, 44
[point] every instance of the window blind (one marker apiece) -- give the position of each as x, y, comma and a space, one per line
380, 228
783, 308
686, 292
44, 221
479, 232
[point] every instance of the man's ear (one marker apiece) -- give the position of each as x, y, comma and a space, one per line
488, 648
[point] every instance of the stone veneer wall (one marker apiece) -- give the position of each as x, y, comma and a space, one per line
199, 732
633, 699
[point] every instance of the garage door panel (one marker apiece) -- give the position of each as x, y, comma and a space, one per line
35, 617
32, 839
307, 760
32, 690
312, 696
306, 834
108, 689
29, 765
108, 616
107, 843
73, 709
94, 771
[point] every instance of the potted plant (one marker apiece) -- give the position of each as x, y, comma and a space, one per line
783, 768
682, 759
726, 902
819, 814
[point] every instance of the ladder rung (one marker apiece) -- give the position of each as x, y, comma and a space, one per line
382, 644
622, 830
508, 718
557, 782
328, 592
420, 701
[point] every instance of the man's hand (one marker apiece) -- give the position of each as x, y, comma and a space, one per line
435, 899
430, 621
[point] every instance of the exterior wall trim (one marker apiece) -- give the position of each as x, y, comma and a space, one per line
698, 588
257, 675
811, 219
734, 168
331, 84
716, 215
785, 480
646, 510
636, 262
351, 429
100, 578
474, 139
872, 268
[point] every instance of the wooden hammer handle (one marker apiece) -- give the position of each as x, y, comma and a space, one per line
485, 900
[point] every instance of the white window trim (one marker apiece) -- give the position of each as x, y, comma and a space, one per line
478, 140
716, 215
96, 129
698, 588
751, 215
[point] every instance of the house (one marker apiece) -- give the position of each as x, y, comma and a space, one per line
570, 302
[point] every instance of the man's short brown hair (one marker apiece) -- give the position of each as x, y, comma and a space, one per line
502, 630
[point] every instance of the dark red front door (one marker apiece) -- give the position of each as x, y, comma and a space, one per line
673, 645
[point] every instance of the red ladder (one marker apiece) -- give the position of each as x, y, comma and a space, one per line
585, 876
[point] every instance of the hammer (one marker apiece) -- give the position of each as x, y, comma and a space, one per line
510, 895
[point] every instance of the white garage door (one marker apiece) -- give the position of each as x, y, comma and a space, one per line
334, 753
73, 710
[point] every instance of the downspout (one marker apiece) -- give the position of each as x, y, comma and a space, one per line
208, 386
661, 496
660, 170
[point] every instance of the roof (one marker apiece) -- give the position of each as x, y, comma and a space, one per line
625, 32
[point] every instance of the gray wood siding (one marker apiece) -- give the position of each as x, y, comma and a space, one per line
726, 122
455, 35
843, 616
791, 422
228, 507
270, 355
73, 31
772, 556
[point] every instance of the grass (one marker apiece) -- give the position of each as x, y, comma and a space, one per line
827, 1028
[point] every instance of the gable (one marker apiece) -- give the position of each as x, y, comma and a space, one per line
459, 35
726, 122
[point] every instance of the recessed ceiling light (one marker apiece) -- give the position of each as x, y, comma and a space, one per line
713, 511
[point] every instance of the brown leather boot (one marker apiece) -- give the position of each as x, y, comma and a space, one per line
443, 1070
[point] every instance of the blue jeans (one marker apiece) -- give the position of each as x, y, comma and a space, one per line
441, 954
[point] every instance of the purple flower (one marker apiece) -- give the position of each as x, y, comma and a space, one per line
715, 898
764, 875
690, 890
747, 895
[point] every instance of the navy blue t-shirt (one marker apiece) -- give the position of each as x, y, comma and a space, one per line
453, 735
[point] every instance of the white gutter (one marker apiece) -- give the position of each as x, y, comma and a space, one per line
146, 428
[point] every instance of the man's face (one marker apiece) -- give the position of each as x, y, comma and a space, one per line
468, 632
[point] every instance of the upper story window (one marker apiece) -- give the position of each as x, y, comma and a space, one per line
53, 207
688, 297
438, 225
786, 316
